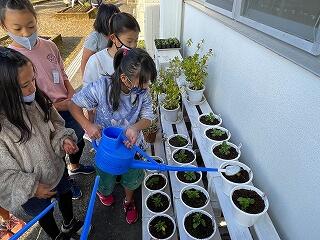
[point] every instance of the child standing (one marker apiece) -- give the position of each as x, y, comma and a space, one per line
18, 18
98, 39
33, 141
120, 100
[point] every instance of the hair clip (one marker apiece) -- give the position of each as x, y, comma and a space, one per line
125, 52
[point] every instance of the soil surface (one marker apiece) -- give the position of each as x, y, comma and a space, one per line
156, 208
203, 119
200, 231
209, 134
195, 202
181, 176
156, 182
188, 159
159, 234
232, 155
178, 141
255, 208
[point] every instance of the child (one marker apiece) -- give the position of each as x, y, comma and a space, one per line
33, 141
18, 18
120, 100
98, 39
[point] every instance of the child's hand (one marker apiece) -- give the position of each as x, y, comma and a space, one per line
43, 191
62, 105
93, 131
69, 146
132, 135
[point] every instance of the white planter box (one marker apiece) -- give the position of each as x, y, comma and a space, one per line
170, 115
195, 96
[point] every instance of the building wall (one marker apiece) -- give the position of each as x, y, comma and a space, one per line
272, 107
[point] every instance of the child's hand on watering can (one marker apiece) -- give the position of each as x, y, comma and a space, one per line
93, 131
132, 135
69, 146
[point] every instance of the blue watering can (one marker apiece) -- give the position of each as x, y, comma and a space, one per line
115, 158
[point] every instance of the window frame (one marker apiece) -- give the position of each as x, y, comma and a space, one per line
310, 47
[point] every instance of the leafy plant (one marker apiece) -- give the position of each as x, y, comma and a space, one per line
156, 199
192, 193
210, 117
161, 227
167, 43
224, 148
181, 156
198, 220
181, 140
190, 176
152, 129
172, 99
245, 202
195, 66
153, 181
216, 133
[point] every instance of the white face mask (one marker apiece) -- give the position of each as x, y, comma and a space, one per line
27, 42
30, 98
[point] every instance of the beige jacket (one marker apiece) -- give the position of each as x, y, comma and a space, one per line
39, 160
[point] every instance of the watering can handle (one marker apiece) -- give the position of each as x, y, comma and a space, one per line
95, 145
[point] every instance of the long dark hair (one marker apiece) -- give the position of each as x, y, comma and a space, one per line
101, 23
120, 23
133, 63
16, 5
11, 98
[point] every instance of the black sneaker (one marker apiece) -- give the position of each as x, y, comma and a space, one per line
75, 226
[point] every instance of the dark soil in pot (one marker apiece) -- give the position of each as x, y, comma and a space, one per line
232, 155
200, 231
241, 177
156, 182
178, 141
188, 177
183, 156
206, 121
210, 134
257, 207
156, 231
195, 202
157, 202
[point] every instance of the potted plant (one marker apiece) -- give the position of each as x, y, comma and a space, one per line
183, 156
194, 197
188, 177
209, 120
225, 151
167, 43
150, 133
171, 102
158, 202
195, 70
215, 135
155, 181
161, 226
199, 224
243, 177
158, 160
248, 204
176, 141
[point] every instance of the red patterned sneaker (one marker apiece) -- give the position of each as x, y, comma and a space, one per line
130, 211
106, 200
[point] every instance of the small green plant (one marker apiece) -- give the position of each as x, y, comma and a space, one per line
181, 140
195, 66
192, 193
210, 117
152, 181
152, 129
190, 176
161, 227
224, 148
172, 99
245, 202
156, 199
198, 220
181, 156
216, 133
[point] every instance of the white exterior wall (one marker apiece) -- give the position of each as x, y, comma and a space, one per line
272, 107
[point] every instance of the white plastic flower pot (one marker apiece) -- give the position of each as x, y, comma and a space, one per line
227, 185
150, 175
197, 187
196, 182
164, 215
186, 149
204, 213
161, 97
221, 160
210, 141
170, 115
155, 158
205, 126
153, 193
243, 218
172, 148
195, 96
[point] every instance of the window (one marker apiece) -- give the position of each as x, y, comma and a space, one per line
293, 21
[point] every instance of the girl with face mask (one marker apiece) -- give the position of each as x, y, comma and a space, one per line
19, 19
33, 142
120, 100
